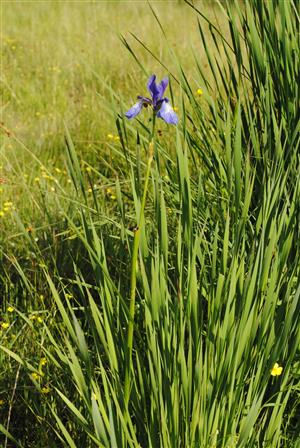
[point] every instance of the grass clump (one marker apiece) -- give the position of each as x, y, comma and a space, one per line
214, 358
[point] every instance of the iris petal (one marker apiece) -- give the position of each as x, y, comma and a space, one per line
145, 99
134, 110
167, 113
151, 84
163, 85
154, 89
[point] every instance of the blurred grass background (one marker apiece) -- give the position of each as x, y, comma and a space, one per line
56, 54
59, 60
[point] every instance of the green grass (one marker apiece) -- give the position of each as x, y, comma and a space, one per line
163, 335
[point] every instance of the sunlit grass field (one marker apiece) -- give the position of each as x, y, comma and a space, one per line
149, 275
58, 58
60, 64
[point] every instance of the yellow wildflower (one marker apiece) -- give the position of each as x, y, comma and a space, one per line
1, 213
45, 390
110, 136
199, 92
43, 361
32, 317
277, 370
36, 179
116, 138
5, 325
35, 376
39, 319
42, 296
10, 309
88, 169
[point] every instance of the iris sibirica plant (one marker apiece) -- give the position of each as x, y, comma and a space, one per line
161, 105
162, 109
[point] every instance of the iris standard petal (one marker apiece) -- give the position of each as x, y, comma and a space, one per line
162, 86
167, 113
134, 110
153, 88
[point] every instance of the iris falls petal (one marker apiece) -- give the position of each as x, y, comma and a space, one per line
167, 113
134, 110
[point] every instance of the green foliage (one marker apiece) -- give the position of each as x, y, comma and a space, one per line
216, 266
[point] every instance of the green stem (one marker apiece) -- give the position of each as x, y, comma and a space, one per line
134, 265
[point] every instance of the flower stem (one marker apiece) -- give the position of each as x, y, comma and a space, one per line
134, 265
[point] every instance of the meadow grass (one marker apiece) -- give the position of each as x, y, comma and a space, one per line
160, 314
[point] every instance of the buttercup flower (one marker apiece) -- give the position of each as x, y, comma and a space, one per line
277, 370
35, 376
160, 104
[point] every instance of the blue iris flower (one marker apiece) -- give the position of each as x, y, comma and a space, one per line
160, 104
